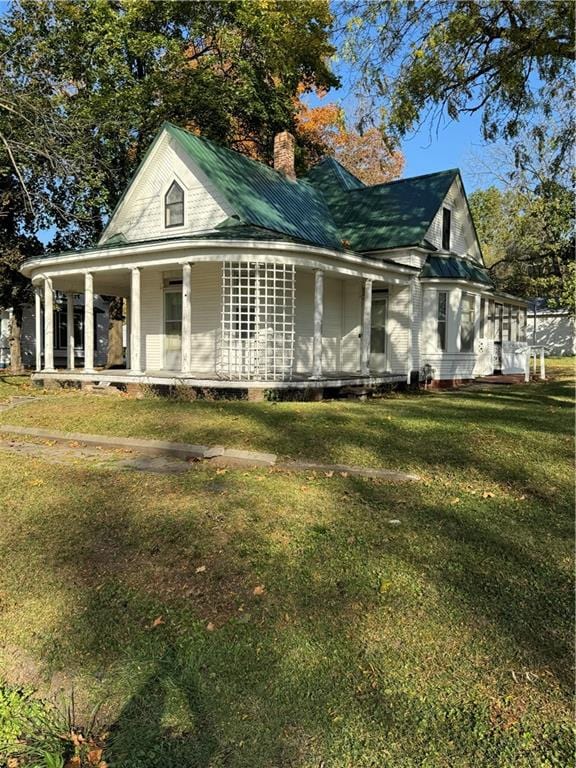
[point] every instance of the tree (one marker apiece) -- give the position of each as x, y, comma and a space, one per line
510, 60
527, 238
323, 130
102, 75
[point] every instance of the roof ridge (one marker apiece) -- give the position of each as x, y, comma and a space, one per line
453, 171
212, 143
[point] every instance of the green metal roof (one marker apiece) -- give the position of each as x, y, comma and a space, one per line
328, 207
260, 195
392, 215
455, 268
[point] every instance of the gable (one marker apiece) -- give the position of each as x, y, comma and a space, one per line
261, 196
463, 241
395, 214
140, 213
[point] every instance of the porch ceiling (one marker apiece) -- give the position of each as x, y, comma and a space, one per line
109, 283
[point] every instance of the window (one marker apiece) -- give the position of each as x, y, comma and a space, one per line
467, 323
61, 328
490, 320
174, 206
446, 225
442, 319
522, 325
513, 324
483, 318
506, 317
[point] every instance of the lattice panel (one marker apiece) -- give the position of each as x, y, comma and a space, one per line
257, 332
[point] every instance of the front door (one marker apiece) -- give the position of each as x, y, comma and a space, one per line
378, 340
173, 330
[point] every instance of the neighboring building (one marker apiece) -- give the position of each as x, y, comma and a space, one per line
240, 275
60, 326
552, 328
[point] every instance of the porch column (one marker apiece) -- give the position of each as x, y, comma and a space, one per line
410, 349
88, 322
38, 326
70, 329
366, 328
318, 316
127, 310
186, 317
135, 315
48, 325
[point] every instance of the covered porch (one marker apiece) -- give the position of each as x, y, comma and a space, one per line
269, 317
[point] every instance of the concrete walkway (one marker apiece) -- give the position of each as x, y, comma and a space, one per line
217, 455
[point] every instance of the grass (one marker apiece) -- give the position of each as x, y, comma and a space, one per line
444, 640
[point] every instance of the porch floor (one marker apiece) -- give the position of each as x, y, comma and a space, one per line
202, 379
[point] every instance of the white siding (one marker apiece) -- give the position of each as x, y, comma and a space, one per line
340, 327
206, 315
141, 215
408, 259
151, 331
463, 239
452, 364
398, 328
332, 325
351, 325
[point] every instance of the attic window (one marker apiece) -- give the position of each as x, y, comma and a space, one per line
174, 206
446, 224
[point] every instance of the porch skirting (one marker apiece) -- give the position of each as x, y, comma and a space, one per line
173, 378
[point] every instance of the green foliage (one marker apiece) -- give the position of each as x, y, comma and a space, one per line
115, 70
527, 238
86, 84
30, 730
432, 58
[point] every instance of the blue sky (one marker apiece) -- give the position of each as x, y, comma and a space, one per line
430, 148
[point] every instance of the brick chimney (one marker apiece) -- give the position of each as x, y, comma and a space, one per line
284, 154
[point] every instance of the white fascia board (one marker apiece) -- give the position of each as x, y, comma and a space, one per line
194, 250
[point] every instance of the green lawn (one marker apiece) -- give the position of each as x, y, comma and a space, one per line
444, 640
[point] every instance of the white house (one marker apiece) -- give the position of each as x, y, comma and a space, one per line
241, 275
60, 332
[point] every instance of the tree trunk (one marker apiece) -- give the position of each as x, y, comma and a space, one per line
115, 356
15, 341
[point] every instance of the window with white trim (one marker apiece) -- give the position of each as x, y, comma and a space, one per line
446, 228
483, 317
174, 206
467, 322
442, 319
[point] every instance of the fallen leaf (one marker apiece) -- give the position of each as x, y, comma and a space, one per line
487, 495
221, 471
74, 762
522, 498
201, 569
210, 627
343, 474
259, 590
456, 500
329, 474
157, 621
95, 756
